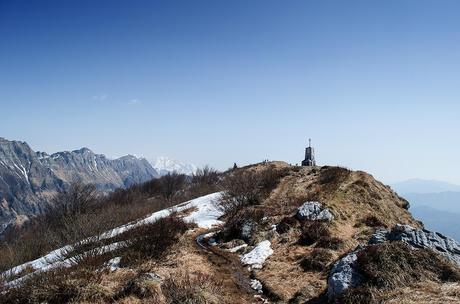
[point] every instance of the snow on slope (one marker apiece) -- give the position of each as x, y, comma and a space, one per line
258, 255
205, 214
164, 165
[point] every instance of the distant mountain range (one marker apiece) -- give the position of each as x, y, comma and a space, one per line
163, 165
29, 179
424, 186
436, 203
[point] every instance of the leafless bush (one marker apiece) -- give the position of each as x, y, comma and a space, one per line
62, 285
244, 188
286, 224
142, 287
242, 225
71, 215
204, 180
152, 240
313, 231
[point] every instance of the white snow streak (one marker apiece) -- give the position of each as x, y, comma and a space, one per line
258, 255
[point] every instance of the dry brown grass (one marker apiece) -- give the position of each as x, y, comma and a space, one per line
317, 260
187, 288
152, 241
348, 199
396, 265
313, 231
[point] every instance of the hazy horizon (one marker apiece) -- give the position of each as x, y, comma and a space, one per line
373, 84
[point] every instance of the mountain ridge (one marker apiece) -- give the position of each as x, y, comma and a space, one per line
29, 180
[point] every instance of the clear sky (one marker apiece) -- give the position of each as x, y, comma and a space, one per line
375, 84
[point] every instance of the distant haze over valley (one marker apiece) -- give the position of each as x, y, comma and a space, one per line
436, 203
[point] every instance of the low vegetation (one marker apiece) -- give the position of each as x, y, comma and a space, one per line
313, 231
395, 265
189, 288
243, 191
317, 260
244, 188
152, 241
82, 211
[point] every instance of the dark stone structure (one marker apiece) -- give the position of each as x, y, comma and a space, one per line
309, 156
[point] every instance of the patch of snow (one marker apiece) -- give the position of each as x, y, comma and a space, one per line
237, 248
58, 263
114, 263
258, 255
211, 240
208, 211
205, 216
256, 285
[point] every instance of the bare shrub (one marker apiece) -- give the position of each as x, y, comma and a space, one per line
152, 240
142, 287
171, 185
189, 288
69, 216
313, 231
286, 224
396, 264
317, 260
204, 180
61, 285
244, 188
242, 225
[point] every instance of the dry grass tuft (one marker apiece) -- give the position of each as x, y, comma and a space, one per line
313, 231
286, 224
187, 288
317, 260
390, 266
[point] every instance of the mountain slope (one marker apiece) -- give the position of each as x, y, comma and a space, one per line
296, 235
29, 179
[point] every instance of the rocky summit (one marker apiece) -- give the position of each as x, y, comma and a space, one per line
28, 179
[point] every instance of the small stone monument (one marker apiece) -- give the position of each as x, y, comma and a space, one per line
309, 160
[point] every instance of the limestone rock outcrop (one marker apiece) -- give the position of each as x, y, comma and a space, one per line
314, 211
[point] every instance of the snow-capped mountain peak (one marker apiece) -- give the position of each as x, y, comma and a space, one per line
164, 165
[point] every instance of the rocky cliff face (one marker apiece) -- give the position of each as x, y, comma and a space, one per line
29, 179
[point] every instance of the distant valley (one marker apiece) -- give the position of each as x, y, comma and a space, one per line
436, 203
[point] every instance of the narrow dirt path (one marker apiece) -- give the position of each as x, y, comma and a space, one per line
230, 270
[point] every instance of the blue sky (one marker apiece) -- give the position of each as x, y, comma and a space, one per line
375, 83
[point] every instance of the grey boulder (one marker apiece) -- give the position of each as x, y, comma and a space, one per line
314, 211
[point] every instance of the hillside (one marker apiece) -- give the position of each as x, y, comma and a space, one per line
274, 233
29, 180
